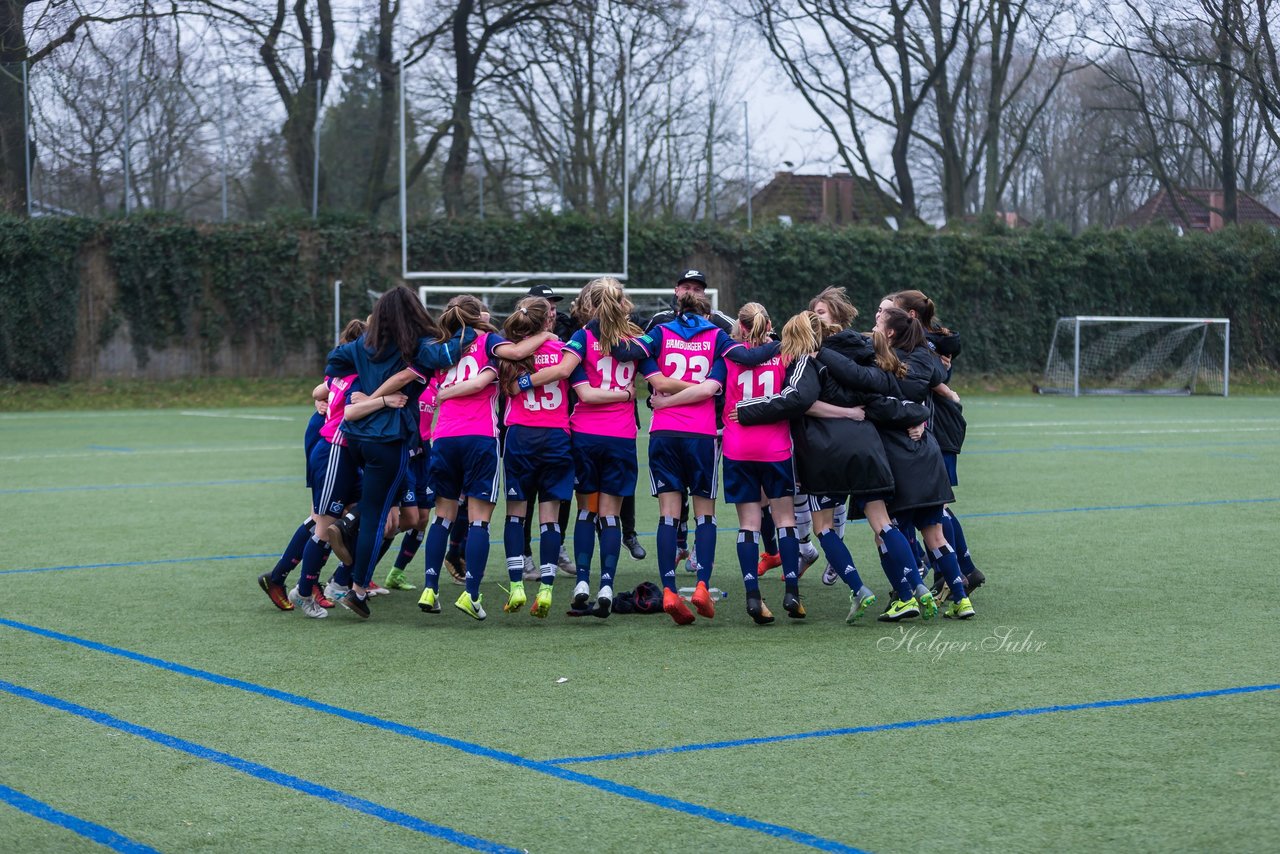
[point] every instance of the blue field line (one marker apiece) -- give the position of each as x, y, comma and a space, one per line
916, 724
137, 563
261, 772
104, 836
622, 790
184, 484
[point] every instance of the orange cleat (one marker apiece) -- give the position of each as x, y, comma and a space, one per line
701, 599
767, 562
674, 605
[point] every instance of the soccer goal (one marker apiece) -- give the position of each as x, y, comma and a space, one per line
502, 298
1138, 355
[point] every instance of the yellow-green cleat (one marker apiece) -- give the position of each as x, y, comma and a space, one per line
900, 610
961, 610
860, 601
429, 601
928, 605
515, 598
542, 602
470, 607
395, 580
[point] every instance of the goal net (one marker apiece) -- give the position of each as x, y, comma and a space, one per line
1138, 355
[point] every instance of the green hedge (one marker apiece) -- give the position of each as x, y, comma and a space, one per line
176, 283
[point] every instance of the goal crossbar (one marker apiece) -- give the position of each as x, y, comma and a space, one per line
424, 291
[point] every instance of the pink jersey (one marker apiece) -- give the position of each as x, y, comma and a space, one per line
427, 408
544, 406
765, 443
332, 429
692, 361
604, 372
474, 414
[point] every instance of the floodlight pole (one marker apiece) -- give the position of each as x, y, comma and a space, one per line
404, 216
26, 134
746, 144
315, 159
626, 160
128, 206
337, 311
222, 137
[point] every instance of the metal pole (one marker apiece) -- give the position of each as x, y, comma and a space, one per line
128, 190
337, 311
564, 144
404, 215
1076, 379
626, 161
1226, 360
26, 133
222, 136
746, 144
315, 160
482, 193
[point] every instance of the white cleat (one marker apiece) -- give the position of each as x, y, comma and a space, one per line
307, 604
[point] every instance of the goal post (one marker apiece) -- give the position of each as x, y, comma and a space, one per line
1138, 355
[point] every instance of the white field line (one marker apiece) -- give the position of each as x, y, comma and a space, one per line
144, 452
1173, 432
1020, 425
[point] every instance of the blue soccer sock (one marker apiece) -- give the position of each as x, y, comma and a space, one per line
549, 541
292, 555
478, 555
950, 567
437, 543
667, 551
513, 545
610, 548
955, 536
314, 554
584, 544
704, 537
789, 551
748, 557
768, 532
409, 545
838, 555
898, 562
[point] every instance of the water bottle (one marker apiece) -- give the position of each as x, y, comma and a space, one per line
716, 593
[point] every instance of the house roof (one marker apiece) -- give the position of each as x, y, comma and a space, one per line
1197, 210
840, 199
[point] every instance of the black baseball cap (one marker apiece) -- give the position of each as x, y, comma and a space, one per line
545, 292
693, 276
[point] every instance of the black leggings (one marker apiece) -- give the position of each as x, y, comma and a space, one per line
384, 465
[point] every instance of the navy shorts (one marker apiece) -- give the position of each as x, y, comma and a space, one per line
919, 517
949, 461
604, 464
744, 479
826, 502
336, 481
683, 464
465, 465
862, 501
309, 439
417, 491
537, 461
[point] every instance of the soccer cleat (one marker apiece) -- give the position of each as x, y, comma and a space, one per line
808, 557
604, 602
961, 610
334, 591
691, 565
566, 563
632, 544
470, 607
928, 605
322, 600
395, 580
793, 606
275, 592
767, 562
356, 605
375, 589
941, 590
974, 580
429, 601
457, 568
307, 604
675, 607
581, 595
757, 610
531, 573
542, 602
899, 610
342, 538
701, 599
830, 576
682, 553
859, 601
515, 598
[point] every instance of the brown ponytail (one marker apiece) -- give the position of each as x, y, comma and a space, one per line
529, 318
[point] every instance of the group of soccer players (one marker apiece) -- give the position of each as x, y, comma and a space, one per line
815, 423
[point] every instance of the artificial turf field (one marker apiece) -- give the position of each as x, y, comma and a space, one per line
152, 696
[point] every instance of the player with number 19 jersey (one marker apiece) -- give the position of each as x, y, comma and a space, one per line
604, 434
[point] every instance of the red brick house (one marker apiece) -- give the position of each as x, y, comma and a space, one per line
839, 199
1200, 210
